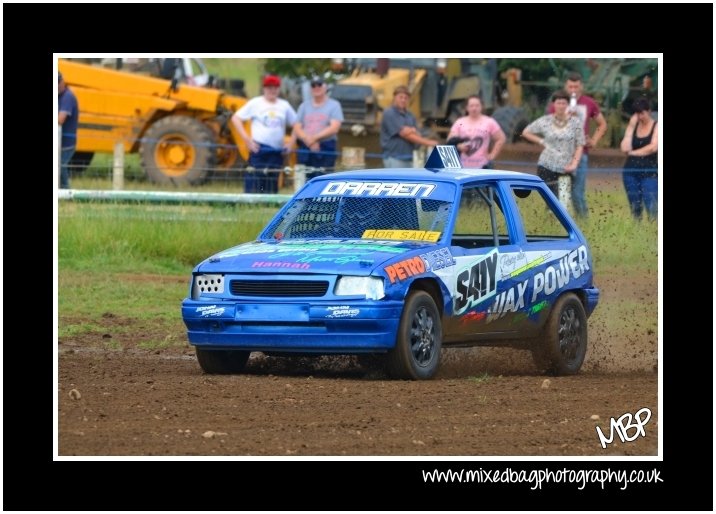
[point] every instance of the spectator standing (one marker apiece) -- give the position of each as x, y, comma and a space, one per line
563, 138
269, 115
474, 134
641, 144
67, 117
319, 121
585, 109
399, 132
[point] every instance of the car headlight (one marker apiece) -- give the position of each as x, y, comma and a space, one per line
370, 287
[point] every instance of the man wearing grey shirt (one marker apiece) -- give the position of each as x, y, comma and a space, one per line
399, 133
319, 120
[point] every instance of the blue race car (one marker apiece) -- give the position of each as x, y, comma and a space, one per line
400, 263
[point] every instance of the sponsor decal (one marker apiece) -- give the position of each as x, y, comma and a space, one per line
531, 312
511, 300
449, 156
404, 235
405, 269
557, 276
544, 283
392, 189
342, 311
472, 317
476, 283
210, 310
298, 249
280, 264
438, 259
336, 259
512, 264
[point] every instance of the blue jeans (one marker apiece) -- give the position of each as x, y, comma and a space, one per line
325, 157
642, 188
392, 162
65, 157
268, 162
579, 181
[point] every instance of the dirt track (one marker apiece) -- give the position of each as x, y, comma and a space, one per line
147, 404
484, 402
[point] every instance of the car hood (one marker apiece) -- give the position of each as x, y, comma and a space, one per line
352, 256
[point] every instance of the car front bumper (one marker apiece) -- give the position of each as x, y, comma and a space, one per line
316, 327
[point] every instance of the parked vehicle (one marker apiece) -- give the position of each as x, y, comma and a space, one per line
182, 132
398, 263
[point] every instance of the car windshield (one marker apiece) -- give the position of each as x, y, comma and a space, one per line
345, 217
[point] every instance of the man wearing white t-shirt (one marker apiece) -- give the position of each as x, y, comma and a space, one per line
269, 116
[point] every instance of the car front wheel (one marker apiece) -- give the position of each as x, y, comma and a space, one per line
222, 362
564, 342
416, 355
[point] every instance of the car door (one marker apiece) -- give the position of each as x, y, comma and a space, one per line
551, 255
483, 303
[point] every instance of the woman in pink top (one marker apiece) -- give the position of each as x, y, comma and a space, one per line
474, 134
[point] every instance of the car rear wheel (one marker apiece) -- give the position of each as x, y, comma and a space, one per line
222, 362
416, 355
564, 344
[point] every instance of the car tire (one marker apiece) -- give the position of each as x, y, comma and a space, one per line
179, 150
512, 121
416, 355
563, 346
222, 362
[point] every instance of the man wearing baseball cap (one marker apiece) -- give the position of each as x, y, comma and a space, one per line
319, 121
269, 116
67, 117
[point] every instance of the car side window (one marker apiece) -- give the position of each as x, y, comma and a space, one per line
539, 220
480, 221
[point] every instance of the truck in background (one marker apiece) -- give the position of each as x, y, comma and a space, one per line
182, 132
439, 91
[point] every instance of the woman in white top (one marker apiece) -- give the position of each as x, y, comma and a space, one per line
562, 136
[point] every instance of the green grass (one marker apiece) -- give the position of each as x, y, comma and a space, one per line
98, 292
124, 268
616, 239
72, 329
140, 238
628, 316
480, 379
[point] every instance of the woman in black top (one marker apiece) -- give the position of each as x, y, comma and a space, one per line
640, 143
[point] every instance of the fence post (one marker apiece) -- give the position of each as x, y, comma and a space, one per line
353, 157
419, 156
118, 167
299, 177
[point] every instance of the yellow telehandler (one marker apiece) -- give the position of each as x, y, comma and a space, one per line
183, 133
